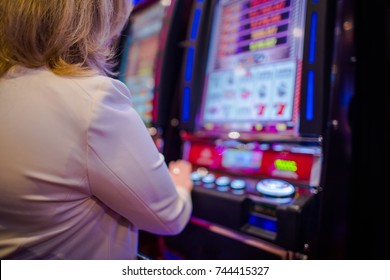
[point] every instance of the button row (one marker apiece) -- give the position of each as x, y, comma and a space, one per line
222, 181
268, 187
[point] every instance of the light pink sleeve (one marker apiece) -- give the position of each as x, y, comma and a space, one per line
126, 171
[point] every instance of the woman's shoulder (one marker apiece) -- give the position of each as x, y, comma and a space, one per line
43, 81
99, 85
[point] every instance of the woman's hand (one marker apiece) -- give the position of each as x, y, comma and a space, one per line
180, 171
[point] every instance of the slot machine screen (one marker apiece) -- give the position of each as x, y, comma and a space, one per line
137, 68
252, 79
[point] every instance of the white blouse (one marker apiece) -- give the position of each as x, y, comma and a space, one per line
79, 173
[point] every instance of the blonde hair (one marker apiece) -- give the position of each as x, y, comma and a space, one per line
70, 37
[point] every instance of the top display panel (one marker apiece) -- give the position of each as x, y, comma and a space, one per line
254, 65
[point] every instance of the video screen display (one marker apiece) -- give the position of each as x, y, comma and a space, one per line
137, 67
252, 81
235, 158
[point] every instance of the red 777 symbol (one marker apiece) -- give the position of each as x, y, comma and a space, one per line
280, 108
260, 109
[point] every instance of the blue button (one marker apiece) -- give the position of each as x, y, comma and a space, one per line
208, 179
238, 184
222, 181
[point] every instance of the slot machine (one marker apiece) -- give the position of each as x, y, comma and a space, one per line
255, 98
150, 56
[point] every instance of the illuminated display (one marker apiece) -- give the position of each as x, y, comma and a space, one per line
233, 158
275, 163
263, 222
138, 62
288, 165
253, 68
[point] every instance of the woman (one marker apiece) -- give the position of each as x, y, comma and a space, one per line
79, 173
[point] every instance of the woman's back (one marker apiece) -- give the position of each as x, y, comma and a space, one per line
62, 155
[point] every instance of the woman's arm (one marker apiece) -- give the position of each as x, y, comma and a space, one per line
126, 171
